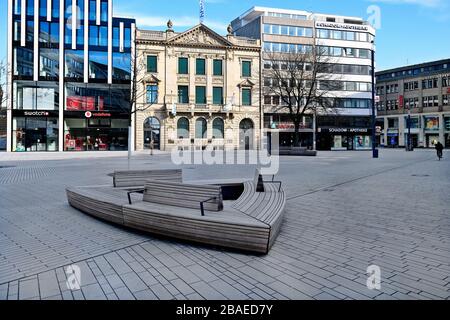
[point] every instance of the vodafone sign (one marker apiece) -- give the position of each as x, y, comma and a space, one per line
89, 114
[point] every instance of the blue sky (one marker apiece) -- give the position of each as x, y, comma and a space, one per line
412, 31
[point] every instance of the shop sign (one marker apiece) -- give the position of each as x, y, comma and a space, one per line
333, 25
344, 130
101, 115
36, 114
89, 114
401, 101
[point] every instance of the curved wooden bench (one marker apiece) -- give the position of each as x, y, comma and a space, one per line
138, 178
172, 209
266, 207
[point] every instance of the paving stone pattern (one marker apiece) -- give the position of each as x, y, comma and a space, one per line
345, 212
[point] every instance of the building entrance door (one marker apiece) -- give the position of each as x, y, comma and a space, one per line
152, 134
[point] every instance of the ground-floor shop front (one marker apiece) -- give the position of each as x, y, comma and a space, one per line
160, 130
423, 131
344, 139
39, 131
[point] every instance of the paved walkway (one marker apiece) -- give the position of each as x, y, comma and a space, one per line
345, 212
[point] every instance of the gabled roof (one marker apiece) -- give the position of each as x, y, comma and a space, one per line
202, 35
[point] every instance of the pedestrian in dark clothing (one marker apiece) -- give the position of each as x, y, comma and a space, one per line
439, 148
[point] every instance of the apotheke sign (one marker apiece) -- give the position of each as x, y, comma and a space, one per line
333, 25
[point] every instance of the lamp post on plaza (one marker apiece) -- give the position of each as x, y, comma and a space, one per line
374, 137
409, 146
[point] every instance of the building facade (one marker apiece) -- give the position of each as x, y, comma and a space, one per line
70, 76
413, 101
348, 43
196, 89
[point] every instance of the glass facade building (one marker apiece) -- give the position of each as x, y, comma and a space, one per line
70, 75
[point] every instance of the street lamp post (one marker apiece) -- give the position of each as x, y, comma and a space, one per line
409, 130
374, 137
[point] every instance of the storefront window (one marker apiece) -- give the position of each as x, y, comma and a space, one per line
431, 123
35, 134
218, 128
183, 128
414, 123
201, 128
95, 134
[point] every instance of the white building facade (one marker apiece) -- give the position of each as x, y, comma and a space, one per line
348, 43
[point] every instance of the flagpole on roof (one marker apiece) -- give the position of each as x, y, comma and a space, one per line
202, 11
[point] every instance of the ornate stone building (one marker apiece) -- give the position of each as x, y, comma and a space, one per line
197, 88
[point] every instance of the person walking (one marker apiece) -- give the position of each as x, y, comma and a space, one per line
439, 149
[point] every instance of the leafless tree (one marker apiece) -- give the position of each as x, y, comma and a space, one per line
303, 83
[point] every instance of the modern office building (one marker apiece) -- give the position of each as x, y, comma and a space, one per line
347, 42
420, 93
196, 89
70, 76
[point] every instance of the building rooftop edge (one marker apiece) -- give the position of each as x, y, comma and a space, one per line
407, 67
294, 11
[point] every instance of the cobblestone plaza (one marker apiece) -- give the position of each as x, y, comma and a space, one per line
345, 212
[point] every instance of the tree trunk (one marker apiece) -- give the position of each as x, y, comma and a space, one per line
296, 134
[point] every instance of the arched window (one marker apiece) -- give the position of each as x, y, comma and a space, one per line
246, 134
218, 128
152, 130
183, 128
201, 129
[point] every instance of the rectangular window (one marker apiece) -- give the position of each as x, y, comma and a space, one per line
246, 69
183, 67
30, 7
152, 64
217, 66
152, 93
116, 37
68, 35
200, 67
55, 9
183, 94
103, 36
218, 95
43, 8
246, 97
93, 35
17, 6
104, 11
200, 95
68, 9
127, 37
92, 10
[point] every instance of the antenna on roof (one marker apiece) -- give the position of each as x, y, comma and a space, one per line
202, 11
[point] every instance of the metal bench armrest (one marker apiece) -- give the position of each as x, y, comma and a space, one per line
202, 209
129, 193
275, 182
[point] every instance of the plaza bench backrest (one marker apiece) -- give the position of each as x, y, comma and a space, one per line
138, 178
184, 195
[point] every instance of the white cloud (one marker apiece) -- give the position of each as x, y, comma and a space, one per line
423, 3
